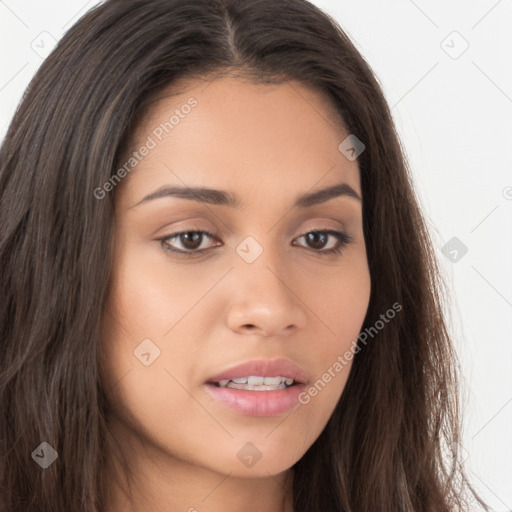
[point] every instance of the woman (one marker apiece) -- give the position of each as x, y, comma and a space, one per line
219, 291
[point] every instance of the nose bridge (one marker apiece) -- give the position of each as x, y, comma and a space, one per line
261, 265
264, 298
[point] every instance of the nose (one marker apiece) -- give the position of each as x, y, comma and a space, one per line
265, 300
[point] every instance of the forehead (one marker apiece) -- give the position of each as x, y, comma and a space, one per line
233, 133
237, 95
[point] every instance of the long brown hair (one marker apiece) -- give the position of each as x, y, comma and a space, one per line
385, 445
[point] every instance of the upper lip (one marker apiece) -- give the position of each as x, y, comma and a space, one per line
263, 368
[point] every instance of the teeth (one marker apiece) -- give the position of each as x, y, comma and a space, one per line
248, 387
256, 383
270, 381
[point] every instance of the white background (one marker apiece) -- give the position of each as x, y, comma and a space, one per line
453, 111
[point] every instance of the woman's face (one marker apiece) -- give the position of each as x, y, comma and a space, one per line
251, 287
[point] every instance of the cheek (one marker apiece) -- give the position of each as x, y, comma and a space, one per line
338, 304
338, 300
150, 294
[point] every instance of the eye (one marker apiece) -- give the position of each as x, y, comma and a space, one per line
191, 241
317, 240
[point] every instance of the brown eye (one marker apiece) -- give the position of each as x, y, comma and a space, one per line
190, 241
317, 240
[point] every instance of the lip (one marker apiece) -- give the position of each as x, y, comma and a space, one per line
259, 403
263, 368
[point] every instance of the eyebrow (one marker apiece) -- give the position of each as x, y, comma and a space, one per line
224, 198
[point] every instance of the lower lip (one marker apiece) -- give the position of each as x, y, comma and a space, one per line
257, 403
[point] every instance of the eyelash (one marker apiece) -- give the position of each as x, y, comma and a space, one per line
343, 240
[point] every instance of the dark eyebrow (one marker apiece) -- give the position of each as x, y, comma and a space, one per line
223, 198
324, 194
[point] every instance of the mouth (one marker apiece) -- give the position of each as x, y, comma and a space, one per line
259, 388
256, 383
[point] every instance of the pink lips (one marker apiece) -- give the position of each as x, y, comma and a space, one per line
264, 368
260, 403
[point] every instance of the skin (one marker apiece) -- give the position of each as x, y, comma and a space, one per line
267, 144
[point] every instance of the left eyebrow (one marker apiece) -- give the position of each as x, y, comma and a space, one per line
324, 194
224, 198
